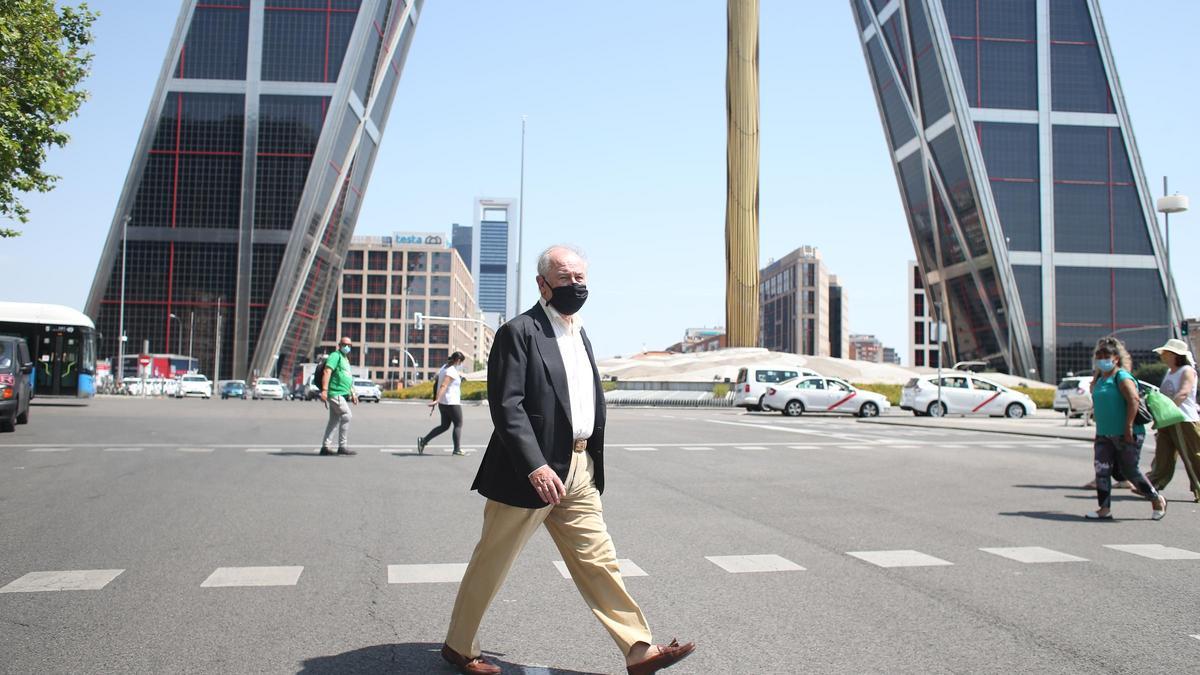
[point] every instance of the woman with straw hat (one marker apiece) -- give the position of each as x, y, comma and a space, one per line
1182, 439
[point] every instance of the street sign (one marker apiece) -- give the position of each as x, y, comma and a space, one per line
144, 360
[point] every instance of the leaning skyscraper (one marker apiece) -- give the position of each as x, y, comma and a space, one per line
1029, 210
246, 182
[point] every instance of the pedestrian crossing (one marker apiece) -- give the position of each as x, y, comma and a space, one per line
45, 581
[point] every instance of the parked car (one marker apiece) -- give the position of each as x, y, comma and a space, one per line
194, 384
752, 383
823, 394
16, 386
268, 387
963, 394
367, 390
234, 389
1071, 386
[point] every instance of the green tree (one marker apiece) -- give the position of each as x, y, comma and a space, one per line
43, 59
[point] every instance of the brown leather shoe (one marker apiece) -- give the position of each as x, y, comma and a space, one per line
667, 656
475, 666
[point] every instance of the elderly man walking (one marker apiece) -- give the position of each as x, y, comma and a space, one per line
545, 465
337, 392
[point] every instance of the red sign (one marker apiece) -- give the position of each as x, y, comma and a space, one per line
144, 360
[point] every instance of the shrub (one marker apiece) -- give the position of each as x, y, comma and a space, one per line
891, 391
1152, 373
1043, 398
471, 391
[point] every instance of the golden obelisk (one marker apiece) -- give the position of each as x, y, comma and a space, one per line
741, 156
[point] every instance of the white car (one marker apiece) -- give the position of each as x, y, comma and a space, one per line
752, 383
1071, 386
194, 385
963, 394
367, 390
823, 394
268, 387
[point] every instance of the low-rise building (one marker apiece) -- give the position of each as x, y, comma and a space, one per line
866, 348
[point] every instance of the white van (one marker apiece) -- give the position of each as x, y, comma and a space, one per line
752, 383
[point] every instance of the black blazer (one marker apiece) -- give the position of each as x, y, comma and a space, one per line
531, 411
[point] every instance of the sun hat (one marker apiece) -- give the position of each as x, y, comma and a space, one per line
1175, 346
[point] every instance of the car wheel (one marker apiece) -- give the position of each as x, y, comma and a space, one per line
937, 409
23, 418
1014, 411
793, 409
868, 410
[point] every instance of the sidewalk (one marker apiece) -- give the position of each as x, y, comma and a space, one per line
1044, 424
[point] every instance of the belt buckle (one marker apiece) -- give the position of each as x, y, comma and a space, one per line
580, 444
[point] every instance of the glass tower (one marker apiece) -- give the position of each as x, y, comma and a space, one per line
239, 204
494, 256
1024, 192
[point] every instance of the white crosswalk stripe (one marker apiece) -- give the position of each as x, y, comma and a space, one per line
1155, 551
264, 449
122, 449
695, 448
49, 449
65, 580
900, 558
196, 450
442, 573
642, 449
228, 577
628, 569
750, 447
741, 564
1033, 554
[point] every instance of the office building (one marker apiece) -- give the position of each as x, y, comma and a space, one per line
246, 182
461, 239
839, 320
795, 305
494, 249
385, 284
923, 349
891, 356
866, 348
1017, 166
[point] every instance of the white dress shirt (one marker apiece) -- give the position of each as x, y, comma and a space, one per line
580, 383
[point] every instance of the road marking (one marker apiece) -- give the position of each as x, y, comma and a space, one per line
803, 447
440, 573
998, 446
628, 569
902, 558
397, 451
1033, 554
951, 447
122, 449
771, 427
264, 449
1155, 551
194, 449
227, 577
1196, 636
741, 564
49, 449
466, 451
642, 449
750, 447
903, 445
67, 580
694, 448
536, 670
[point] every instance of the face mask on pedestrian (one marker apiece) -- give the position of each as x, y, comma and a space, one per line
569, 299
1104, 365
345, 349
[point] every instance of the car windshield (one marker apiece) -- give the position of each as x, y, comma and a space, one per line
364, 383
1068, 384
268, 381
194, 378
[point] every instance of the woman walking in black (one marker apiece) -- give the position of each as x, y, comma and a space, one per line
448, 399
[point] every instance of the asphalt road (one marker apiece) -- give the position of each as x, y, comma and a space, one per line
163, 493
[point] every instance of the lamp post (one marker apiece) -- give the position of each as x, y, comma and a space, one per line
191, 334
1168, 204
179, 337
121, 319
937, 326
521, 217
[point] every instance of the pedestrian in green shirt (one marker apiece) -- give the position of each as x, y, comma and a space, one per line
337, 392
1118, 439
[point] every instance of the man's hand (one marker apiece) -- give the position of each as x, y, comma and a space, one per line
324, 397
354, 399
548, 485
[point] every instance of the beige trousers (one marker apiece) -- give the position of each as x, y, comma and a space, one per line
1181, 439
577, 527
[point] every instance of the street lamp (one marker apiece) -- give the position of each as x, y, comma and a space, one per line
121, 320
178, 336
1168, 204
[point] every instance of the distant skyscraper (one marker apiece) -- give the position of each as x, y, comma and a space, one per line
461, 240
248, 176
794, 304
839, 320
494, 265
1029, 210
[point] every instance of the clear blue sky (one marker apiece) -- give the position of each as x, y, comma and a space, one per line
626, 148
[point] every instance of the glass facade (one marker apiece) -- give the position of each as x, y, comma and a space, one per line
226, 217
1029, 215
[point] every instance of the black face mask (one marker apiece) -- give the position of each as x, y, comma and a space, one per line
569, 299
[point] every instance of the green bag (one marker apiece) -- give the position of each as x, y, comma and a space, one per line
1163, 410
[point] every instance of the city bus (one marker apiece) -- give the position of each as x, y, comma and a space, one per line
63, 344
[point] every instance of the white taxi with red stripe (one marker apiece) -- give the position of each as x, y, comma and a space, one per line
963, 394
823, 394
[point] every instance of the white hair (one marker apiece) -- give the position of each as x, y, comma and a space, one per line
543, 262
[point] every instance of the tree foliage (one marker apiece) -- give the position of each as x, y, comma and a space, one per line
43, 60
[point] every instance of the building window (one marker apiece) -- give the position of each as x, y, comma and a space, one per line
919, 357
398, 261
438, 356
439, 334
352, 330
352, 283
374, 357
919, 333
354, 260
416, 336
439, 285
376, 332
398, 284
416, 284
441, 262
376, 308
377, 284
397, 333
416, 261
495, 215
351, 308
377, 260
397, 309
439, 308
